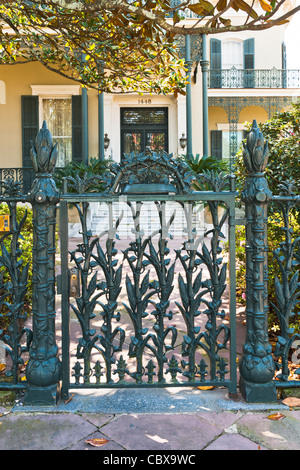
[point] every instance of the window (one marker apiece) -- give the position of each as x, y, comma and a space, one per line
57, 112
144, 127
224, 55
225, 143
232, 54
61, 107
216, 144
235, 139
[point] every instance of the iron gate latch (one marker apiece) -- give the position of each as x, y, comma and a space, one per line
74, 283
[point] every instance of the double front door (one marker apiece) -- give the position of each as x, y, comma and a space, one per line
142, 128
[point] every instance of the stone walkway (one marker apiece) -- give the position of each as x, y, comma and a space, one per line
163, 432
153, 421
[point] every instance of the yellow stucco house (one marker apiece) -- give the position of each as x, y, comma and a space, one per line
246, 75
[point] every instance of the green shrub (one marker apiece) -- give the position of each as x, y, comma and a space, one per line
282, 132
78, 169
198, 164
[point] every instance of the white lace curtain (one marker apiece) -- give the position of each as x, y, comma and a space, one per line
58, 115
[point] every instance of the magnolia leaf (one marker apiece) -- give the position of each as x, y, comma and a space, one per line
208, 387
265, 5
97, 442
201, 8
276, 416
291, 402
221, 5
241, 5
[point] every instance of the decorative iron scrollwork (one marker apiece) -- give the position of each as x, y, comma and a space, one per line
194, 289
91, 292
163, 288
287, 289
14, 289
149, 172
152, 352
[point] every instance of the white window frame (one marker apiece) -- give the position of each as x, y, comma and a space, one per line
225, 127
53, 92
2, 92
237, 41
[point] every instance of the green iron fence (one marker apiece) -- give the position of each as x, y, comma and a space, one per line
147, 311
286, 258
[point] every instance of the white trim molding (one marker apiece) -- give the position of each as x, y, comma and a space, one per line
226, 127
2, 92
55, 90
247, 92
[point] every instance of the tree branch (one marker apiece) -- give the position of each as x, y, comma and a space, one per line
157, 15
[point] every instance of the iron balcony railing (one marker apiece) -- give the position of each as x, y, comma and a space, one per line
186, 13
258, 78
24, 176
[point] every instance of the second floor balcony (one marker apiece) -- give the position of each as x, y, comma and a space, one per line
256, 78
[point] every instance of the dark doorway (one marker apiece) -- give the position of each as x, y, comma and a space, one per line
144, 127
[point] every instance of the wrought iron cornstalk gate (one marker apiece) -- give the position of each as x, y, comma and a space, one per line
148, 275
149, 310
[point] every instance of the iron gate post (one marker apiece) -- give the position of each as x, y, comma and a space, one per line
257, 366
43, 368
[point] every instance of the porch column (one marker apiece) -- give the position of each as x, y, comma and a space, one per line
101, 126
85, 139
44, 367
257, 366
188, 64
204, 68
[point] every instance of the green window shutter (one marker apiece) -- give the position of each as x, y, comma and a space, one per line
283, 55
249, 74
249, 54
77, 128
215, 54
216, 144
215, 63
30, 126
283, 59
